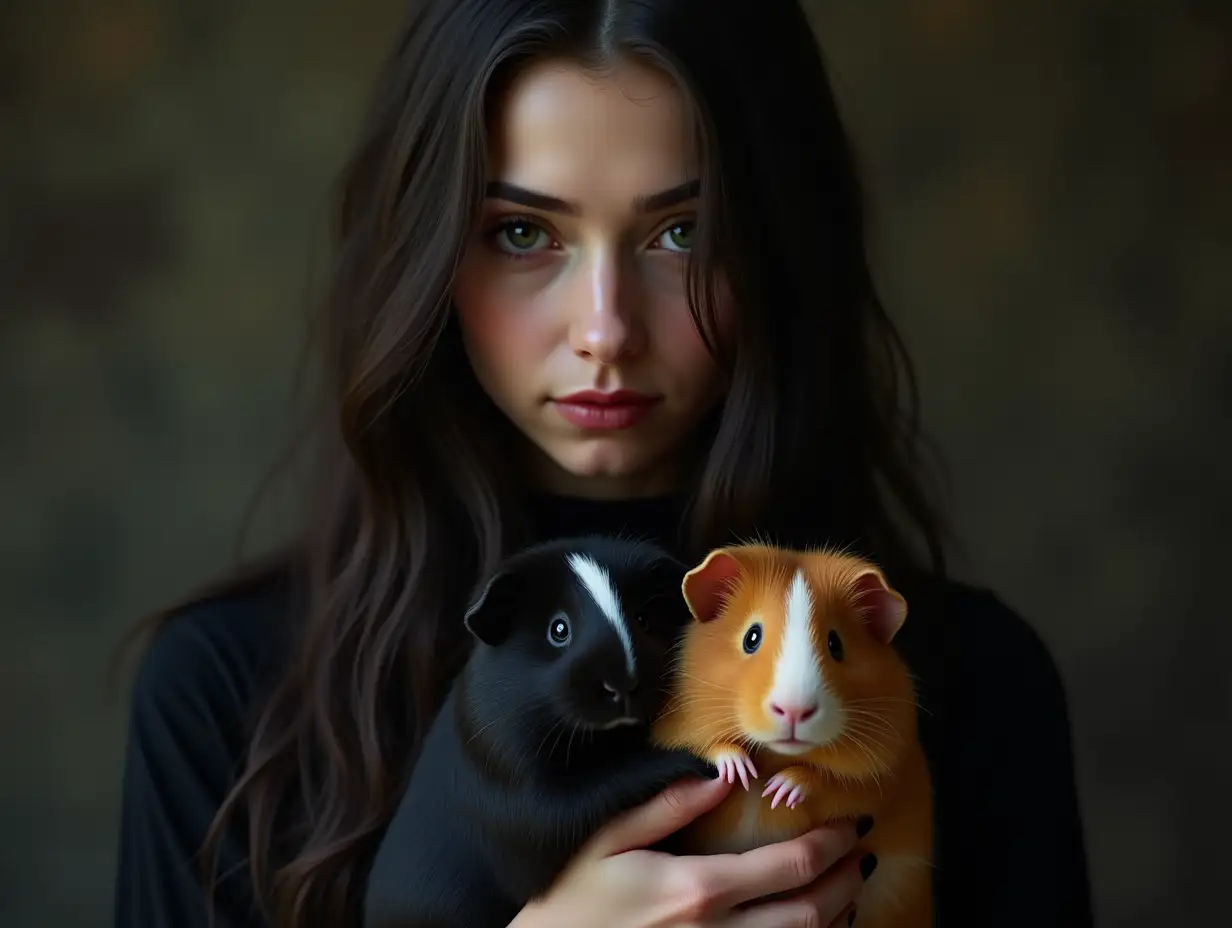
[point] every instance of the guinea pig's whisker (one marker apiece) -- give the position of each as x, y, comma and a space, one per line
875, 745
720, 722
858, 712
562, 727
713, 734
569, 743
871, 728
557, 728
697, 706
871, 740
885, 699
880, 699
720, 731
859, 740
875, 763
866, 713
516, 710
694, 677
703, 709
882, 739
879, 758
706, 699
872, 721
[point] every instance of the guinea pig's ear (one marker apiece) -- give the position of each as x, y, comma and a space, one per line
490, 616
883, 607
707, 586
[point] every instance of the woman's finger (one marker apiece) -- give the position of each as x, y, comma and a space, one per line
776, 868
795, 913
653, 821
830, 902
846, 918
832, 909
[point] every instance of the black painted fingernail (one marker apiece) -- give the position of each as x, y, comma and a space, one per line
868, 863
864, 824
851, 919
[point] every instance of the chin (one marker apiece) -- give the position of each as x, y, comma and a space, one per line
606, 456
590, 721
789, 750
619, 464
604, 459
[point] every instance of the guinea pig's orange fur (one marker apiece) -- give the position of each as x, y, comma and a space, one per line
860, 754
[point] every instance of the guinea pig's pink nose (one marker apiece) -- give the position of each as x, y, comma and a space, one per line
793, 712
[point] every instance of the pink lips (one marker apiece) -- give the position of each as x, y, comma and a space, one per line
593, 409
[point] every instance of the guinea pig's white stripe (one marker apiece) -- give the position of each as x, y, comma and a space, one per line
598, 584
797, 670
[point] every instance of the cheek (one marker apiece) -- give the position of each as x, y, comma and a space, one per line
502, 329
860, 675
682, 350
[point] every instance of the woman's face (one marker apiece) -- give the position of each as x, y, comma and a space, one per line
571, 295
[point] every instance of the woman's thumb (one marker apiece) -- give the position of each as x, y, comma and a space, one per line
653, 821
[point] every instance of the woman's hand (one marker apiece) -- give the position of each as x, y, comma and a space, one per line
614, 883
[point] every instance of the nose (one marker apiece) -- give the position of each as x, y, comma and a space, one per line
602, 328
615, 691
794, 713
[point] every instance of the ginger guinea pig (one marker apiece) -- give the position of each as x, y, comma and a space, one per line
787, 681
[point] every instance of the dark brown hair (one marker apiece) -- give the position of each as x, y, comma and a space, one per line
818, 426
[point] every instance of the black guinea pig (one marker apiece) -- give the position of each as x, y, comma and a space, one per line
542, 738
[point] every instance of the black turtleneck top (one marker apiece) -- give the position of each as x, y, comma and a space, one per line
1010, 846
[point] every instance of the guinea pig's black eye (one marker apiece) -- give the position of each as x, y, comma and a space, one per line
641, 620
752, 638
558, 630
835, 644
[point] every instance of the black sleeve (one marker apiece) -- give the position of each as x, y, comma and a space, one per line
1026, 857
185, 740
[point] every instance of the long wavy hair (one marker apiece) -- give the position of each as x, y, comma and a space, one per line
819, 424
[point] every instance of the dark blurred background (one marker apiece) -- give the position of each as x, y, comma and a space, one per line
1052, 186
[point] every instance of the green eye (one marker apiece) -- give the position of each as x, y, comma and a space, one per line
519, 236
678, 237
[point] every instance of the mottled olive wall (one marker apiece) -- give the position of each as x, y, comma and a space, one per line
1052, 185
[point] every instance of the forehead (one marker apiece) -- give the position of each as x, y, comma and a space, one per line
773, 589
597, 575
599, 138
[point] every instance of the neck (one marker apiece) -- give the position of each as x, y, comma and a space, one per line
659, 519
611, 488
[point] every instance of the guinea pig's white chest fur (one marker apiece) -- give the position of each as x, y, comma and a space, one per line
804, 711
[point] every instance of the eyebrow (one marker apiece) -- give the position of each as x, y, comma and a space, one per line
664, 199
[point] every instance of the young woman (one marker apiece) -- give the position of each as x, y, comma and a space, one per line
601, 269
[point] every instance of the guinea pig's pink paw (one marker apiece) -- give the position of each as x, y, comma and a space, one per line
787, 789
732, 763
